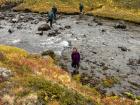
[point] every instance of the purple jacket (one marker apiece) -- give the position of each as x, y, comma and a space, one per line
75, 56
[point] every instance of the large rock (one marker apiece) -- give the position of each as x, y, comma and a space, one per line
8, 5
44, 27
123, 48
133, 62
120, 25
84, 66
48, 53
53, 33
68, 27
5, 74
10, 31
2, 16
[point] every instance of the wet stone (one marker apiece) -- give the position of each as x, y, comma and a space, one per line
120, 25
10, 31
89, 24
48, 53
68, 27
5, 74
44, 27
84, 66
40, 33
123, 48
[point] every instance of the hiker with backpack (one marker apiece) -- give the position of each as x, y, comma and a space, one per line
50, 18
81, 7
54, 10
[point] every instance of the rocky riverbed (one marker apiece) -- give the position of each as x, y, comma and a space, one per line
110, 49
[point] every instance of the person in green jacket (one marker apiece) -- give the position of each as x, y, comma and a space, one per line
54, 10
50, 17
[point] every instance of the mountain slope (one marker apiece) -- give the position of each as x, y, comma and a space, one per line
36, 79
116, 9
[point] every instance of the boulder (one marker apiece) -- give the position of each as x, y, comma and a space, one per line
133, 62
84, 66
8, 5
44, 27
89, 24
35, 21
123, 48
14, 20
48, 53
19, 27
2, 16
68, 27
99, 23
53, 33
103, 30
5, 74
10, 31
120, 25
40, 33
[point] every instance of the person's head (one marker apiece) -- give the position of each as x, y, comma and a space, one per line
54, 6
74, 49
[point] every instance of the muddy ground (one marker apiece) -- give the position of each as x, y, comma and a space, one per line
107, 53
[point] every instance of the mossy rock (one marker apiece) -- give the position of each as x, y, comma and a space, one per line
49, 53
109, 82
2, 56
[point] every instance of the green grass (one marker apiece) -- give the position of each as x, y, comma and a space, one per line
54, 92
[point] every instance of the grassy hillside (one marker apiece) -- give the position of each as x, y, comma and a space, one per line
40, 80
117, 9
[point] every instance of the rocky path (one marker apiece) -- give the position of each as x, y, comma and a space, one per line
110, 49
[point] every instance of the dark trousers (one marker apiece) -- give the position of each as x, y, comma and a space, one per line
81, 10
55, 16
75, 65
51, 21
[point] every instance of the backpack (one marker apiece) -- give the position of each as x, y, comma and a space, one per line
50, 15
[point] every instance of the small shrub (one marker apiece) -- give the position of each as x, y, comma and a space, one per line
2, 56
55, 92
109, 81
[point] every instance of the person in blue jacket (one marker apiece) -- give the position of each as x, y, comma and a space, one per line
54, 10
50, 17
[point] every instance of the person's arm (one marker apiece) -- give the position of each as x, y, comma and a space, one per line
56, 10
78, 57
71, 56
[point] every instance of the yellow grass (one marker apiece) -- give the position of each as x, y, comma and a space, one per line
104, 8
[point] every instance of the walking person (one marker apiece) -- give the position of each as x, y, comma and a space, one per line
50, 18
81, 8
75, 56
54, 10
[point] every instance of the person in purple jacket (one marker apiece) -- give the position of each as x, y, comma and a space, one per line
75, 56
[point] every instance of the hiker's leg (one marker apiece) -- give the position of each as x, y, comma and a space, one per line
77, 66
55, 16
73, 65
50, 23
